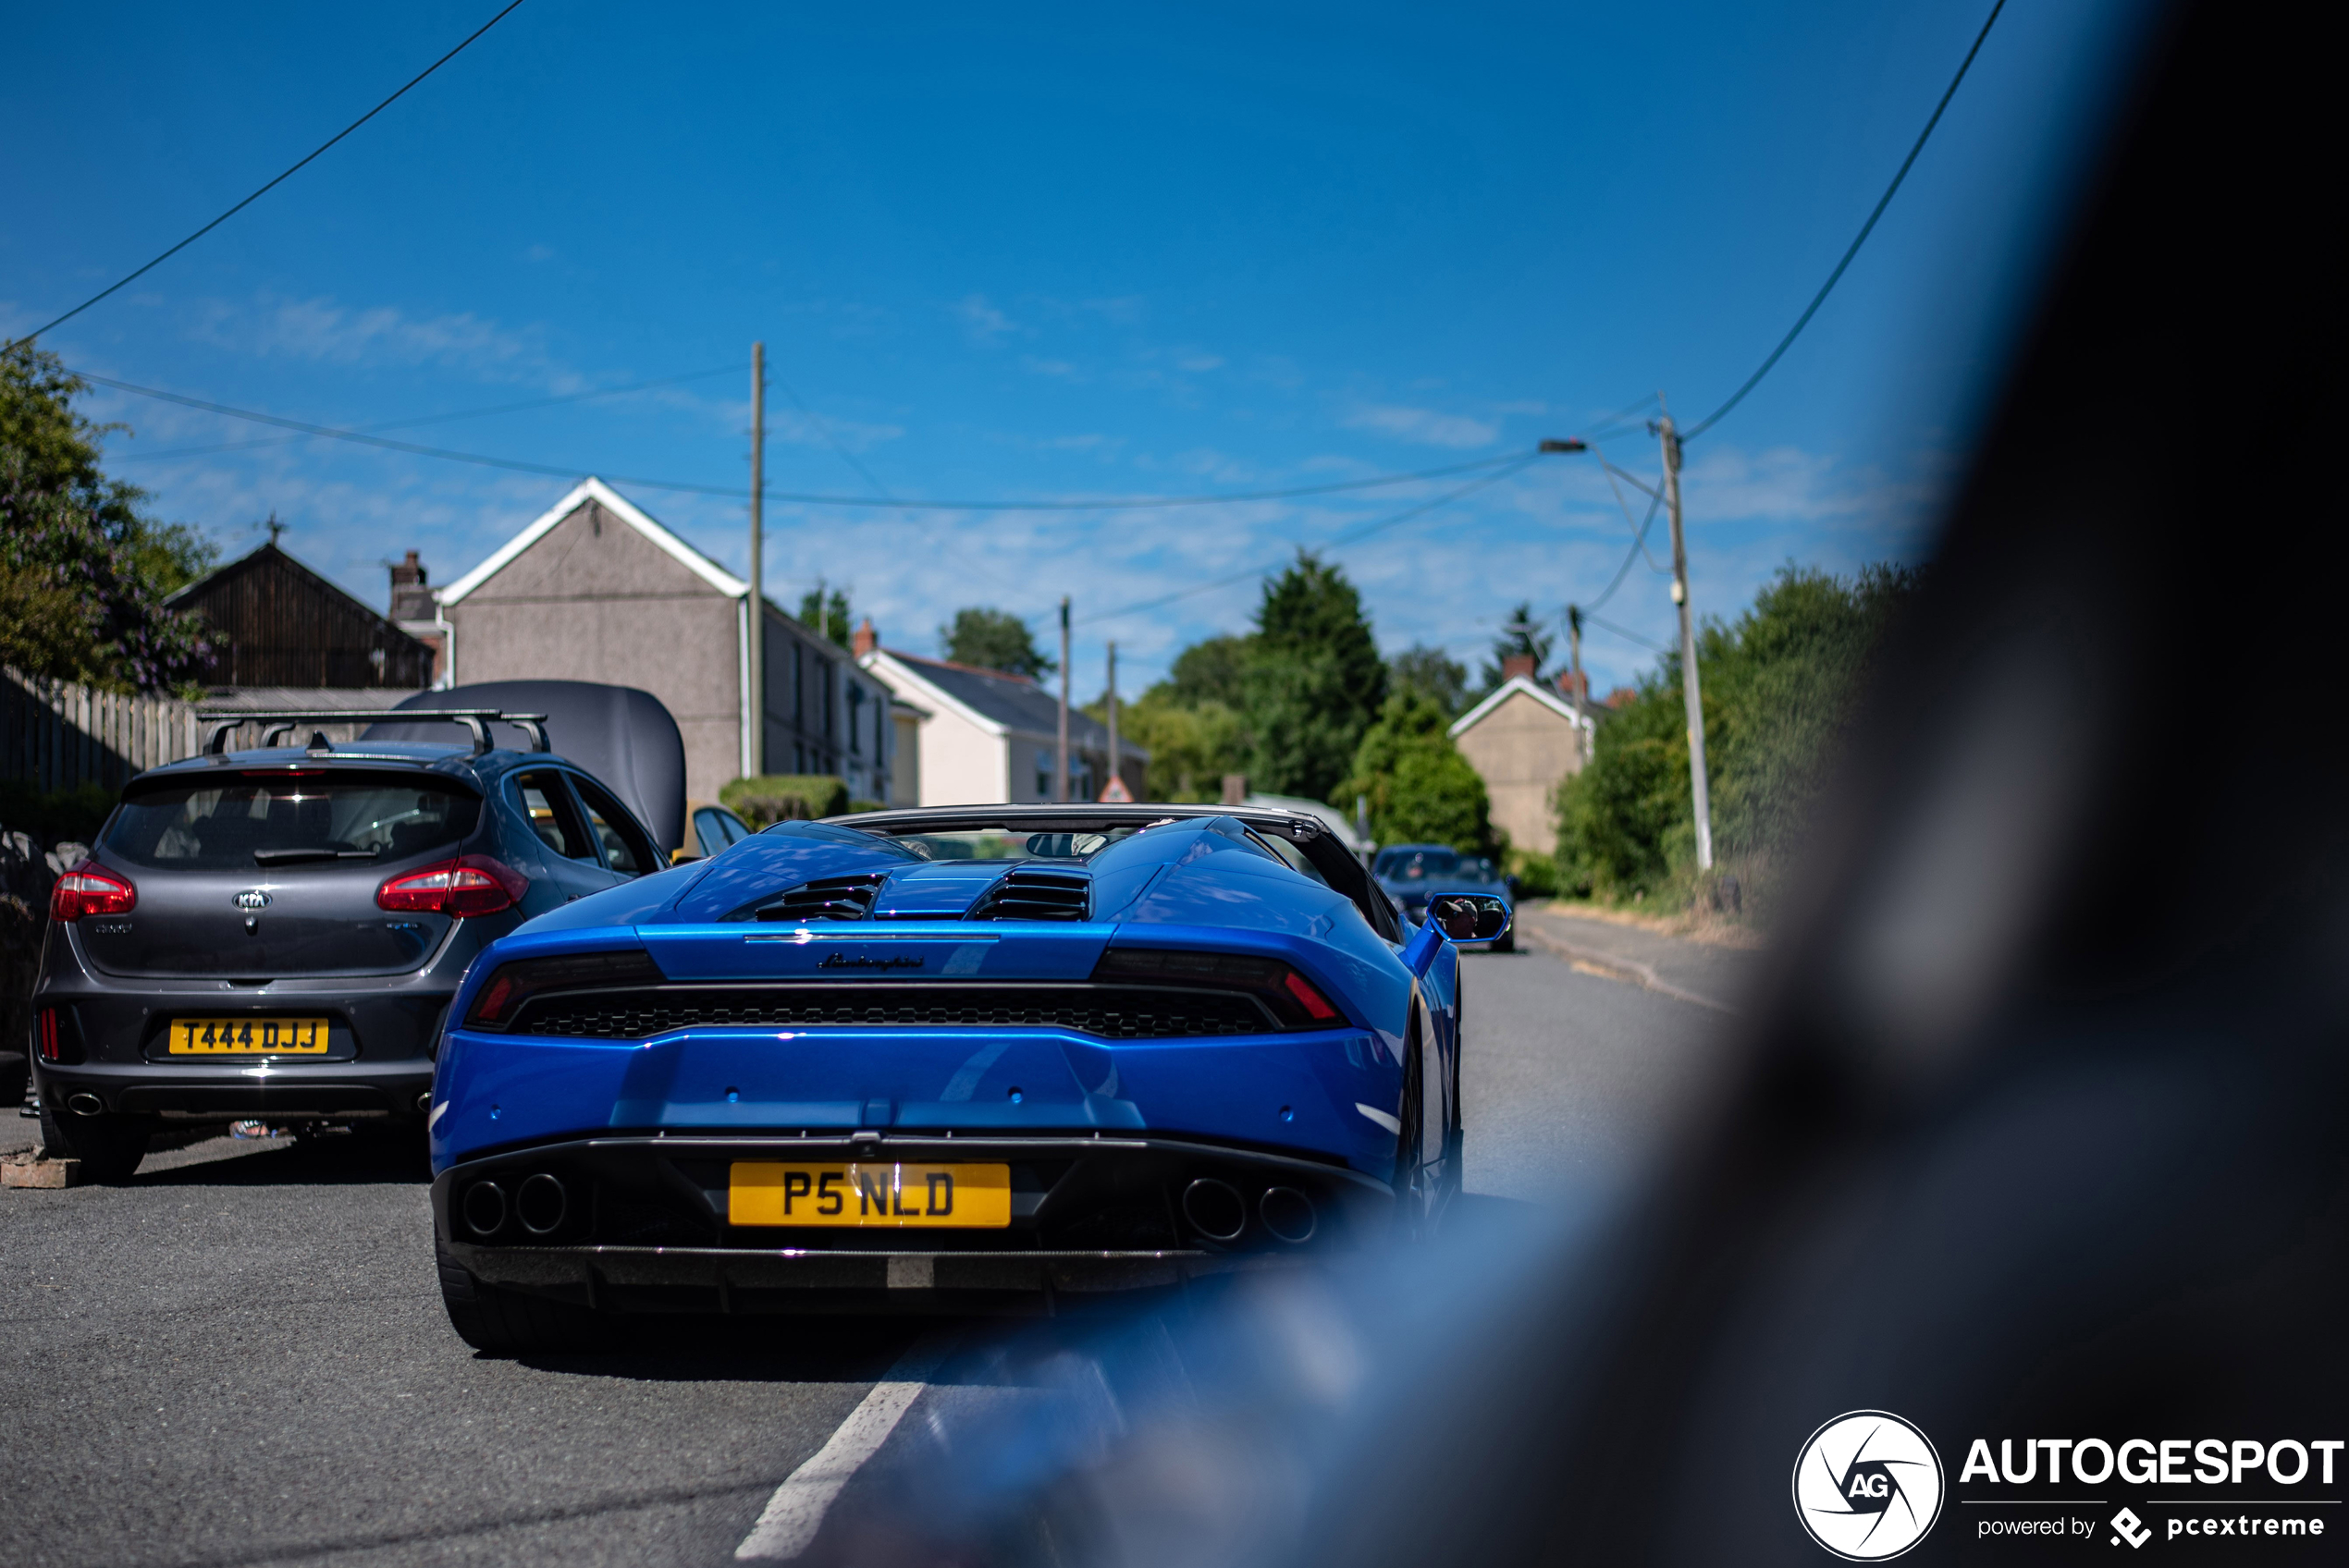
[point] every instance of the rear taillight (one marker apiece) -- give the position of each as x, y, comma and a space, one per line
500, 999
89, 888
1294, 1000
467, 886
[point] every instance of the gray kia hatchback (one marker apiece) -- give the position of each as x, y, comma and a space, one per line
276, 934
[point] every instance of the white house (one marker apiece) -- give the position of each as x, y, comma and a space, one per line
984, 738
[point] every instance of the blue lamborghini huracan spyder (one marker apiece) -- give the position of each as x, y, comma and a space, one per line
944, 1060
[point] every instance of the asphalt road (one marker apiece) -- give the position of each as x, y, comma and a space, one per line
241, 1357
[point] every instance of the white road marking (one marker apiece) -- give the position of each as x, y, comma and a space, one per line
793, 1515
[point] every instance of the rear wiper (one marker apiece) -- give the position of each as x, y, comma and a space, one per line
290, 857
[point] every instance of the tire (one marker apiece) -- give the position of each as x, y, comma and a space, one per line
109, 1148
507, 1323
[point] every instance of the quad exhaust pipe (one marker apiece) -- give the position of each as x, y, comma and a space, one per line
542, 1203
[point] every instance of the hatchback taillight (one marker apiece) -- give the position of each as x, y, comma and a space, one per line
469, 885
89, 888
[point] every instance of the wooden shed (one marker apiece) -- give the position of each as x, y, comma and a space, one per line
276, 622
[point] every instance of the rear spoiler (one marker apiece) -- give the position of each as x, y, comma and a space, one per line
282, 721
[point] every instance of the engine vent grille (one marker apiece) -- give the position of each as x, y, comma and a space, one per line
826, 898
1037, 895
1113, 1013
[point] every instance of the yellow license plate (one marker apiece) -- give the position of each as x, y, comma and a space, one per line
873, 1192
248, 1037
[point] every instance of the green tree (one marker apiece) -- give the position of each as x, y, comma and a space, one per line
1420, 789
1191, 745
994, 639
1779, 684
826, 615
1521, 637
1313, 680
1214, 670
1434, 674
83, 572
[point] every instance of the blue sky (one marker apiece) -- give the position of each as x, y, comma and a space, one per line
1066, 252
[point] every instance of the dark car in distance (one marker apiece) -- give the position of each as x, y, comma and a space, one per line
276, 934
1414, 873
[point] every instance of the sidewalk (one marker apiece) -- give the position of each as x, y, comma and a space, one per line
1700, 973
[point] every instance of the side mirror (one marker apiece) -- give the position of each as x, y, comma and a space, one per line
1469, 917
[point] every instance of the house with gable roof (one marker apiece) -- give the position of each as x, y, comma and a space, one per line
986, 737
596, 589
1524, 740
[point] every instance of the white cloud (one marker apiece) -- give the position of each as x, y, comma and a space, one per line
325, 330
982, 323
1425, 427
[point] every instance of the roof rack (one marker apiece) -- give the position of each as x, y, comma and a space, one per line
226, 722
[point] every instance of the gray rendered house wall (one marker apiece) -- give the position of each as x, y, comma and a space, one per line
592, 599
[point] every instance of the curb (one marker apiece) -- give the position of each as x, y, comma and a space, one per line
1615, 966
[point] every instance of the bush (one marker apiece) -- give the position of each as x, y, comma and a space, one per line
785, 797
1536, 874
72, 816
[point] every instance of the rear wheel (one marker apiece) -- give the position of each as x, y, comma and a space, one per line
501, 1322
109, 1148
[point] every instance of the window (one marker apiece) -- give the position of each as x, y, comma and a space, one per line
799, 687
856, 718
287, 819
553, 816
824, 674
624, 848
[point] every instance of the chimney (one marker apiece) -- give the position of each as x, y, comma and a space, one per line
411, 599
1573, 684
1516, 665
864, 640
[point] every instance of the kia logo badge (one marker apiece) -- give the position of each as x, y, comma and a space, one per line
253, 898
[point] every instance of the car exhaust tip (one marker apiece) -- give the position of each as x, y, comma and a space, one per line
542, 1204
1288, 1214
85, 1105
1214, 1209
485, 1209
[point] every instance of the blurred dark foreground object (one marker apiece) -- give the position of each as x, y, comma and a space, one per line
2040, 1128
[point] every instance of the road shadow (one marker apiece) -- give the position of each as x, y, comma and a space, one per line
778, 1348
366, 1157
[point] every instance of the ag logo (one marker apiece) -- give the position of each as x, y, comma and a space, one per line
253, 898
1867, 1485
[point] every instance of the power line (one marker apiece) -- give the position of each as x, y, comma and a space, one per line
1639, 547
444, 418
1106, 503
1866, 229
1351, 536
272, 185
825, 429
1628, 635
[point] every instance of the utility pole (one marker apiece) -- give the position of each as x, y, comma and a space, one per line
1695, 699
1115, 789
1060, 765
1574, 665
755, 740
